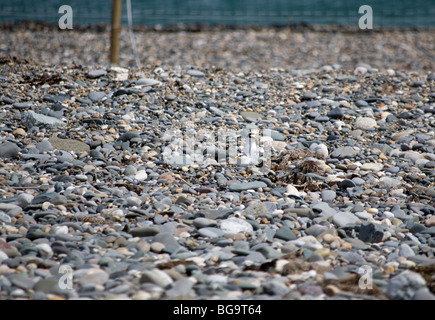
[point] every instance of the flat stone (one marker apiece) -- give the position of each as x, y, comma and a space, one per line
251, 115
44, 146
269, 252
195, 73
361, 103
308, 95
390, 182
430, 222
300, 212
94, 276
324, 209
157, 277
232, 226
168, 240
256, 209
44, 197
69, 145
22, 105
47, 285
292, 191
96, 96
336, 113
220, 213
353, 257
204, 223
59, 199
406, 251
402, 134
217, 111
11, 209
363, 215
129, 136
344, 152
430, 231
239, 187
285, 233
94, 74
9, 150
130, 170
343, 219
5, 218
372, 167
31, 119
308, 242
346, 183
180, 289
255, 257
365, 123
276, 136
210, 232
148, 82
144, 232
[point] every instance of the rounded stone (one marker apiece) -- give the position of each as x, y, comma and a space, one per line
343, 219
9, 150
328, 195
157, 247
144, 232
365, 123
232, 226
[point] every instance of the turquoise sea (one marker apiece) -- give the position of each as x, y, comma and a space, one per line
229, 12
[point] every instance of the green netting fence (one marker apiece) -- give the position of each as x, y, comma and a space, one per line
227, 12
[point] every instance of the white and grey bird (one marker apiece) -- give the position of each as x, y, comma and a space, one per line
250, 153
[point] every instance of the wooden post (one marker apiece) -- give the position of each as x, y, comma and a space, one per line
116, 28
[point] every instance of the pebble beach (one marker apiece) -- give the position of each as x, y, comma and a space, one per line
91, 180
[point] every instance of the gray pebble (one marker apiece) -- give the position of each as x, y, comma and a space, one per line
285, 233
144, 232
9, 150
371, 232
210, 232
239, 187
343, 219
405, 285
96, 96
31, 119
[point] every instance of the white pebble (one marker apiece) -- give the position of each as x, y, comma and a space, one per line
61, 230
45, 249
360, 71
388, 214
292, 191
82, 177
141, 175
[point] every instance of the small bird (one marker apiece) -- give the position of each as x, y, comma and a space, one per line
250, 152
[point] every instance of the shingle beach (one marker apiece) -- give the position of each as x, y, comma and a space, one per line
116, 175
